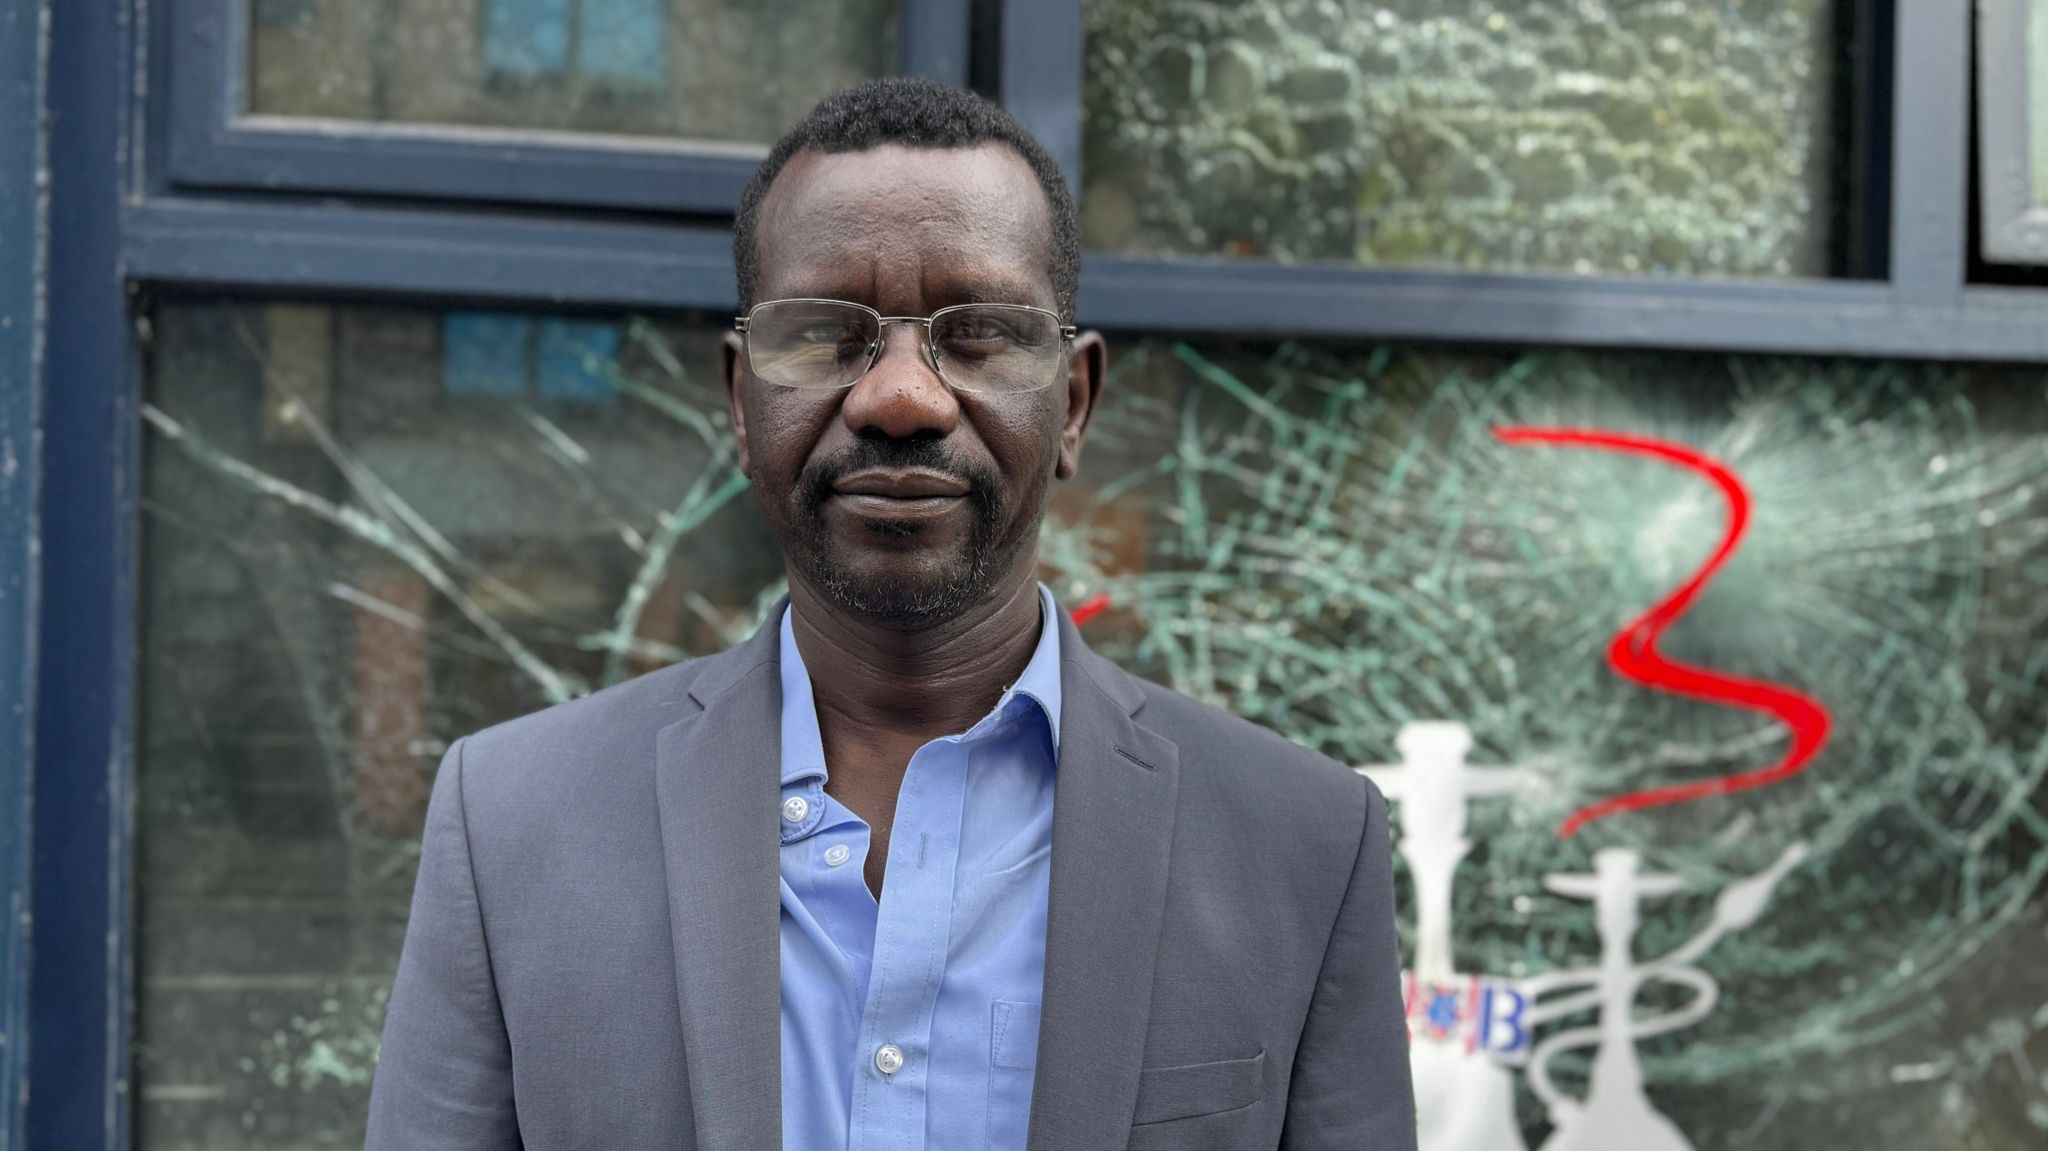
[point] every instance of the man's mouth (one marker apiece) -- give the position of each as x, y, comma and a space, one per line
900, 484
899, 493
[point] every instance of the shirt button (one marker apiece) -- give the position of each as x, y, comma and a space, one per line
795, 808
888, 1059
837, 854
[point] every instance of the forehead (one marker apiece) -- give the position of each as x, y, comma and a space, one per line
946, 225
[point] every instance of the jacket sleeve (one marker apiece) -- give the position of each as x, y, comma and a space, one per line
444, 1074
1351, 1087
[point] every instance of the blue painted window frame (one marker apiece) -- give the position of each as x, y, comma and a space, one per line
171, 192
81, 942
1029, 56
23, 226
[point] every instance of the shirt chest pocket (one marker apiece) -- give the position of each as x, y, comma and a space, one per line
1012, 1065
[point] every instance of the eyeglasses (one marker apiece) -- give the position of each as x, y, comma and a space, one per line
821, 345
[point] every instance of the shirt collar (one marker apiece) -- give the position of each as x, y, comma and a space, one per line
803, 749
1040, 681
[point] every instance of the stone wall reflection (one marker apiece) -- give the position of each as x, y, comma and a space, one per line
1577, 135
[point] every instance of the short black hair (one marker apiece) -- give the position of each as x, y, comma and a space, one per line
916, 113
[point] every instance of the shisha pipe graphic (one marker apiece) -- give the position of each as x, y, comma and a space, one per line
1633, 652
1616, 1113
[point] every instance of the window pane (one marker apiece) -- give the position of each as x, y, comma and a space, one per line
446, 519
1577, 135
1336, 543
371, 530
2037, 91
693, 69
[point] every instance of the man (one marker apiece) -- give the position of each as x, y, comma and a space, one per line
911, 868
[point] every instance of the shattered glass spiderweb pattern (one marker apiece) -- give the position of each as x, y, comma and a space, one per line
1338, 546
349, 569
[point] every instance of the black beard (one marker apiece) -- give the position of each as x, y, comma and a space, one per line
967, 577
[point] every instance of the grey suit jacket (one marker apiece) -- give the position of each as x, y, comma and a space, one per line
593, 956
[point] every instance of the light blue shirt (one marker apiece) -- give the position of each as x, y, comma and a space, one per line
941, 981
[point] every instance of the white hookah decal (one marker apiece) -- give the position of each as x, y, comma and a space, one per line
1468, 1030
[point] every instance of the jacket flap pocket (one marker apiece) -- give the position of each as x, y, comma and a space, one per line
1198, 1088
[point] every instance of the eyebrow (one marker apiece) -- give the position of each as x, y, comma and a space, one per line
945, 295
987, 292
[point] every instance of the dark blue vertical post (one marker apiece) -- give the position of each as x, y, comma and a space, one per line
1931, 153
21, 352
933, 39
79, 965
1039, 77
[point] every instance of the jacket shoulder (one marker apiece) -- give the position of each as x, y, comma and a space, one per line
591, 742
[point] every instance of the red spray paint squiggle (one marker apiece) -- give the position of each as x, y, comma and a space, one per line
1087, 611
1633, 652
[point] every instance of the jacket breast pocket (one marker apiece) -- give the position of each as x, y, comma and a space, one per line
1191, 1089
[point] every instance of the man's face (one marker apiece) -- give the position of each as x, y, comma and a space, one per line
898, 499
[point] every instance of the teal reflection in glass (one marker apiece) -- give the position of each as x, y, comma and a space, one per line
2037, 95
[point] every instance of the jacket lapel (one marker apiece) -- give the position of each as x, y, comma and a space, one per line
1112, 832
716, 786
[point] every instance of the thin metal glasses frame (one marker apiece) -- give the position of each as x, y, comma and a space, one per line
741, 324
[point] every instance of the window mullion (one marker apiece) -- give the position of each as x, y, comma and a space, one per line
1930, 153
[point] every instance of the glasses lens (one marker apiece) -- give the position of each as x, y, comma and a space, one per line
997, 347
809, 343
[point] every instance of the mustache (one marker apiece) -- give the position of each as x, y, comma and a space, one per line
819, 476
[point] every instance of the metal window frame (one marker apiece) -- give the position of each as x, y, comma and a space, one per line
1037, 66
213, 144
121, 217
1923, 309
23, 228
82, 941
2015, 212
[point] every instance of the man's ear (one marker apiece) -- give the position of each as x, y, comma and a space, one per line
729, 354
1086, 370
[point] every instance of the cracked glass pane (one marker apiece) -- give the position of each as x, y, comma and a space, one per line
695, 69
1340, 544
371, 530
1576, 135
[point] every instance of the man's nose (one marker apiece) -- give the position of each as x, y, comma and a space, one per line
901, 396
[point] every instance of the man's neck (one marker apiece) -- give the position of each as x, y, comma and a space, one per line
918, 684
